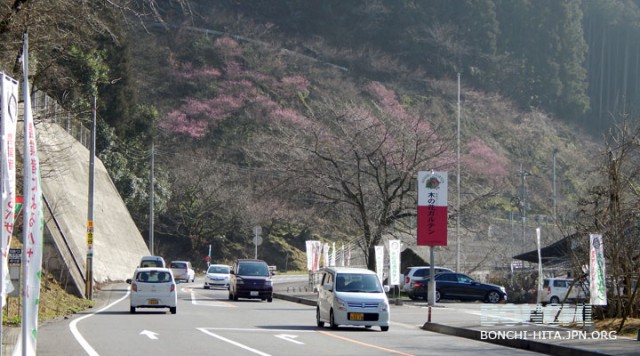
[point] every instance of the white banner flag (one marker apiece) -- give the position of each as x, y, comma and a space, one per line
332, 261
597, 287
314, 249
325, 255
394, 262
380, 262
33, 224
348, 263
9, 103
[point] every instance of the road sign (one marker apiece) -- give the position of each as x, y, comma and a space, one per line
15, 256
257, 240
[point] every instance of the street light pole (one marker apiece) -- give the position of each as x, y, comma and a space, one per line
458, 183
523, 191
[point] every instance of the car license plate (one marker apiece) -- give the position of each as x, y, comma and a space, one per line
255, 293
153, 301
356, 316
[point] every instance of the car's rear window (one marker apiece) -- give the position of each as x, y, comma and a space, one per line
153, 277
178, 265
151, 263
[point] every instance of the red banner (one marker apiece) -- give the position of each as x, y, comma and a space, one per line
432, 209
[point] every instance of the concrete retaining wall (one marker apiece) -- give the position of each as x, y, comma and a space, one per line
118, 245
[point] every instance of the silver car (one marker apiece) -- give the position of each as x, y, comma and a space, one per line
217, 276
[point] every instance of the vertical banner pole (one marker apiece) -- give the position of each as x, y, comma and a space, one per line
432, 218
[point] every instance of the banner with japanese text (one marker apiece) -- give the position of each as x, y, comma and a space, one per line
9, 110
394, 262
432, 208
597, 286
332, 260
325, 255
314, 250
33, 224
379, 261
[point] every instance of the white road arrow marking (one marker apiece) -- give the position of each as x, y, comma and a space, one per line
150, 334
290, 338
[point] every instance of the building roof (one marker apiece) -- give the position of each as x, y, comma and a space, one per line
558, 252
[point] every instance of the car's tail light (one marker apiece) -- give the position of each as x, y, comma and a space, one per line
407, 279
134, 287
173, 287
417, 284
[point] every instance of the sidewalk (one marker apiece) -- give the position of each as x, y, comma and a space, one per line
9, 338
519, 334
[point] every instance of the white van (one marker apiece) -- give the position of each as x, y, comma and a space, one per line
152, 261
352, 296
554, 291
182, 271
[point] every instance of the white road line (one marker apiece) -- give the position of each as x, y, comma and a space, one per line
81, 340
204, 330
258, 330
290, 338
214, 303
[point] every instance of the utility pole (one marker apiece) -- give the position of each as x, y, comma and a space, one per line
151, 195
90, 227
523, 201
555, 207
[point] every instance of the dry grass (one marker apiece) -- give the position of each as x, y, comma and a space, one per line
54, 302
630, 329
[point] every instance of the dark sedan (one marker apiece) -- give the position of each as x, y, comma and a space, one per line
459, 286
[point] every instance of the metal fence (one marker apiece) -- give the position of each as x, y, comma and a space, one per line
45, 108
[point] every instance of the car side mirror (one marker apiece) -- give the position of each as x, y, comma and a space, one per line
231, 272
128, 280
273, 273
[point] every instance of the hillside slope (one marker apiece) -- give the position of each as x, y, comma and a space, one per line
225, 98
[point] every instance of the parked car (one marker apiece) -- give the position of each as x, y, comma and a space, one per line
450, 285
554, 291
250, 278
152, 261
415, 273
352, 296
153, 287
217, 276
182, 271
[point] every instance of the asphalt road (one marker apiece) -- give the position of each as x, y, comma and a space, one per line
208, 323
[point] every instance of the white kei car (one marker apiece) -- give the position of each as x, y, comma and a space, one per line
153, 287
352, 296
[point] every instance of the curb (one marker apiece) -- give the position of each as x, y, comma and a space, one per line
529, 345
295, 299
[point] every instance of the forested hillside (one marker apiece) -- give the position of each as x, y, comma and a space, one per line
311, 118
